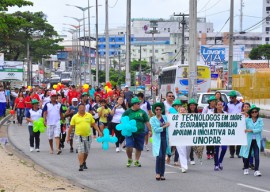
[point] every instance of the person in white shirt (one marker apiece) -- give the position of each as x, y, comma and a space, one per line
52, 114
210, 109
117, 113
33, 115
3, 101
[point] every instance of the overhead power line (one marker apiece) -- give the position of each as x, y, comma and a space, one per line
114, 4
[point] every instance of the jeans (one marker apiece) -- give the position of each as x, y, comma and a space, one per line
191, 155
256, 151
219, 158
160, 159
3, 106
34, 137
26, 111
20, 114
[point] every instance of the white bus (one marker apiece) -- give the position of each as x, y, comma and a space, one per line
175, 79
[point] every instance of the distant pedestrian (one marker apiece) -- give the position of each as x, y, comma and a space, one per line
19, 107
3, 101
82, 123
160, 138
33, 115
128, 95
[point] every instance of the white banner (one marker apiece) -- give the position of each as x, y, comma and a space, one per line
207, 129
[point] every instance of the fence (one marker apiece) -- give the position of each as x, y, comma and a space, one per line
255, 87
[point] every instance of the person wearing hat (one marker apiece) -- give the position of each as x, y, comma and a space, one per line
72, 110
234, 107
33, 115
136, 140
254, 127
159, 124
212, 101
52, 114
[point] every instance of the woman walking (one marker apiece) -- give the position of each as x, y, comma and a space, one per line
116, 114
254, 134
209, 110
103, 113
160, 137
219, 158
19, 107
33, 115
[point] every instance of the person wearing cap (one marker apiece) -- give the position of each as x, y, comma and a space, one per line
192, 107
72, 110
33, 115
234, 107
212, 101
52, 114
254, 128
136, 140
159, 124
128, 94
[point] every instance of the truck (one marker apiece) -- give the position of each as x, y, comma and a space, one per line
66, 78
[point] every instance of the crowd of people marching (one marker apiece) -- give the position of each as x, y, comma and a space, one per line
77, 115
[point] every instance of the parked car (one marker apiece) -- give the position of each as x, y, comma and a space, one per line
203, 98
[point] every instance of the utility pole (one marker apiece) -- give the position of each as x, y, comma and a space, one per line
28, 63
241, 15
153, 25
128, 42
183, 23
84, 49
192, 80
140, 69
107, 64
230, 47
97, 54
89, 41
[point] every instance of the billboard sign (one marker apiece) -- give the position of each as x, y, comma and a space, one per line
11, 70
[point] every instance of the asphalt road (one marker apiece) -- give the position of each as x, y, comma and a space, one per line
107, 171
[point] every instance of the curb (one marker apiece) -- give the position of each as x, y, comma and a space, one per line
11, 150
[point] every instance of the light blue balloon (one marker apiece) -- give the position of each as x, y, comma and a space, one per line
106, 139
127, 127
172, 111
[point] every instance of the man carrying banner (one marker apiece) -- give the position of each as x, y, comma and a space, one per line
234, 107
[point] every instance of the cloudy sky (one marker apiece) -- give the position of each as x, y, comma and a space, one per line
216, 11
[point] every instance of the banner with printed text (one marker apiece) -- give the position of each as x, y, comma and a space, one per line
207, 129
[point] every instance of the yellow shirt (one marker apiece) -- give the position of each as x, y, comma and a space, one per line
82, 124
102, 118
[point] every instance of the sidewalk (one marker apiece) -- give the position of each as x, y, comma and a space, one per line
265, 113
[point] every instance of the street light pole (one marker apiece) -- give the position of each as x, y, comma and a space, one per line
230, 47
107, 64
128, 43
97, 53
89, 34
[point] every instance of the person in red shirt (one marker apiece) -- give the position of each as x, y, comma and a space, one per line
19, 107
72, 94
100, 93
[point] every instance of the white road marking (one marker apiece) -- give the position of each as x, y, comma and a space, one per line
170, 172
266, 131
251, 187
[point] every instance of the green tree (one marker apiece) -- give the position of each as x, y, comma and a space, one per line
135, 66
4, 4
260, 52
29, 28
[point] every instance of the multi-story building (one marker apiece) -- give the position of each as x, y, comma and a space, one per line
266, 22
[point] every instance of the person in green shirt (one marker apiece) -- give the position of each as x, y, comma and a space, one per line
136, 140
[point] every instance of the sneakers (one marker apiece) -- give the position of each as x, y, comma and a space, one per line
216, 168
146, 147
117, 150
32, 149
257, 174
208, 156
232, 156
212, 156
220, 166
129, 162
137, 164
37, 150
81, 168
246, 172
192, 162
184, 170
84, 165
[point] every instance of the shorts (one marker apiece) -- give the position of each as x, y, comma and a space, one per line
83, 143
136, 141
53, 131
105, 124
72, 132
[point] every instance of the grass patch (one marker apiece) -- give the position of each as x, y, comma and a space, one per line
267, 145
